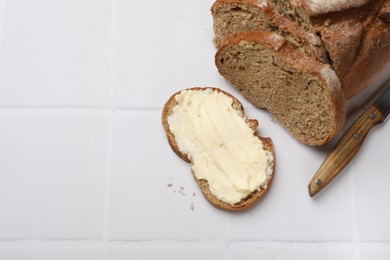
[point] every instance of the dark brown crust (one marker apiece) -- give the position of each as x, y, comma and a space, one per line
384, 14
342, 41
373, 56
359, 60
301, 62
357, 70
255, 196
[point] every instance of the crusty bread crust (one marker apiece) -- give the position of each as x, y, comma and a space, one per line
356, 38
373, 55
301, 62
256, 195
358, 43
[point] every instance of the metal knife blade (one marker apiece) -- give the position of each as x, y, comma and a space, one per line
383, 103
351, 142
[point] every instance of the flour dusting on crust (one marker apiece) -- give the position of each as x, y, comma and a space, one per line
327, 6
277, 41
330, 77
262, 3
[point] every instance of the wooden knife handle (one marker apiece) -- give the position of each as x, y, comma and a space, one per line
345, 150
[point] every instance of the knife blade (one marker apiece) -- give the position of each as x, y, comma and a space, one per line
351, 142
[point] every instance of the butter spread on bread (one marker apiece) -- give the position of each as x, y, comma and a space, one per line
220, 143
209, 129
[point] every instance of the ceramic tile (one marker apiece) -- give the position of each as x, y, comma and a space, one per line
65, 171
295, 251
168, 251
2, 20
141, 252
371, 186
287, 212
155, 60
51, 186
55, 53
49, 252
377, 252
143, 206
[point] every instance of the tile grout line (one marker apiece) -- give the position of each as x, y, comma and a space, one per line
81, 109
2, 14
198, 242
107, 186
110, 126
75, 109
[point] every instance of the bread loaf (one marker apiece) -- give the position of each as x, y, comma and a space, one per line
353, 37
231, 163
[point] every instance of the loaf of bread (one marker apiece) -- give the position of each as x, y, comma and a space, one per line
353, 37
231, 163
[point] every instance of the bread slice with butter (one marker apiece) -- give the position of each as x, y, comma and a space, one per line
231, 163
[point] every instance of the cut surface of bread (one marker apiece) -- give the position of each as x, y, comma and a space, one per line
231, 163
301, 93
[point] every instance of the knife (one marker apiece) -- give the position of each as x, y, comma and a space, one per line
351, 142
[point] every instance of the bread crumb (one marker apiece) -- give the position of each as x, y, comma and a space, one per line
181, 191
169, 184
192, 206
193, 194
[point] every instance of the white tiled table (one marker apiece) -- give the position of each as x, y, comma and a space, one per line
85, 165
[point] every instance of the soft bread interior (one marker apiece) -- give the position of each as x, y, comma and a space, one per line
296, 99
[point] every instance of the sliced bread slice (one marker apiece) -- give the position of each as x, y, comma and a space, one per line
302, 93
231, 163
